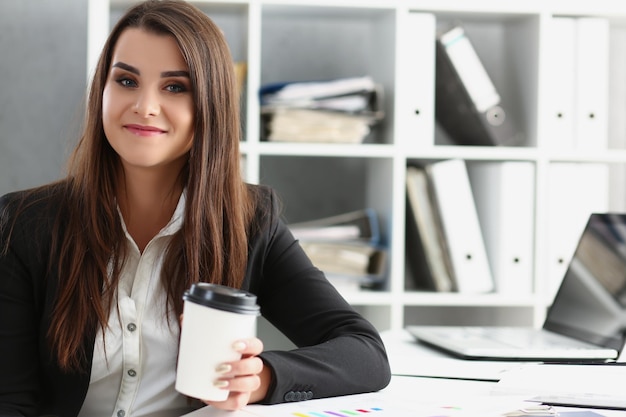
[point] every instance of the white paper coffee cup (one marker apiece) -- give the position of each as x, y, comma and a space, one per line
214, 318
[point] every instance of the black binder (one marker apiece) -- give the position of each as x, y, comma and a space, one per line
467, 104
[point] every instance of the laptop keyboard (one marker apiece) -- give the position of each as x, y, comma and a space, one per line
522, 338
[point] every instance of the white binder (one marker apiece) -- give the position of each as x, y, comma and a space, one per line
575, 190
426, 253
592, 83
415, 71
504, 195
561, 112
459, 221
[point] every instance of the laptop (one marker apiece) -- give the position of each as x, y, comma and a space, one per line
586, 321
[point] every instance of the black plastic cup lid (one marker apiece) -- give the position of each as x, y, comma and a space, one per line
222, 297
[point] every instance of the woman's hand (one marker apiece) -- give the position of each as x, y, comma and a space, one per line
246, 379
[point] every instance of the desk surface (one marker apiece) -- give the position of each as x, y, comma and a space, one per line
408, 397
404, 397
408, 357
445, 387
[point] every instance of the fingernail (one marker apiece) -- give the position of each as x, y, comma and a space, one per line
220, 383
239, 346
223, 368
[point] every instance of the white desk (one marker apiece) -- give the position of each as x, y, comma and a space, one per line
407, 357
407, 397
447, 390
404, 397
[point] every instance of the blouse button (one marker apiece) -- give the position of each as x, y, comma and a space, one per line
132, 372
121, 413
131, 327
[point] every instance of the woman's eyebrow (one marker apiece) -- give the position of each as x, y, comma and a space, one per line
164, 74
126, 67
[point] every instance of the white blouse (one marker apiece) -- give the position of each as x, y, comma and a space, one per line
134, 364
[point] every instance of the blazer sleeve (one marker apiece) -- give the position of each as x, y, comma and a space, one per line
30, 382
19, 312
339, 352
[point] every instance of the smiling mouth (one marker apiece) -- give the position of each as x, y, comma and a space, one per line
144, 130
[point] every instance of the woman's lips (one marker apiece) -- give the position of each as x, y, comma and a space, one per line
141, 130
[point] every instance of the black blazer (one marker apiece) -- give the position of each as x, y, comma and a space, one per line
338, 352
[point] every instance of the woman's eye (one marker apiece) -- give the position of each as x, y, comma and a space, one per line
176, 88
126, 82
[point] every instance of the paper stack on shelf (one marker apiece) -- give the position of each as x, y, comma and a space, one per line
346, 247
335, 111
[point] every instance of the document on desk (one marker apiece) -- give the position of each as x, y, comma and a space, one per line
404, 397
366, 405
571, 385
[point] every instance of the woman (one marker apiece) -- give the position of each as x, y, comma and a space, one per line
93, 267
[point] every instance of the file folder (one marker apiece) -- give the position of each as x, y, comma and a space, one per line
459, 221
504, 195
467, 103
415, 104
561, 95
575, 190
426, 253
592, 83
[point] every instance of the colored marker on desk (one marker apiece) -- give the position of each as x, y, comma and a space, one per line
340, 413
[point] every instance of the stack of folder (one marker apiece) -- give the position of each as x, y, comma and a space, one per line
504, 193
347, 247
445, 249
334, 111
578, 87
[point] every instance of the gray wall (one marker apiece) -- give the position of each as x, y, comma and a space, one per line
43, 54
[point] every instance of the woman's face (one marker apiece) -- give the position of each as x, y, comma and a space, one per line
147, 105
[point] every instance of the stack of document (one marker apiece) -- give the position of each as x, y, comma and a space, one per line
340, 110
346, 247
567, 384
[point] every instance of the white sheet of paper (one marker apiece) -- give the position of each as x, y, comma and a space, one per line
581, 385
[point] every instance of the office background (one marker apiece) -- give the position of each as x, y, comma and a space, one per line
44, 52
43, 60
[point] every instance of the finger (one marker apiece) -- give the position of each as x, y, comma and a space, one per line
235, 401
247, 366
243, 384
251, 346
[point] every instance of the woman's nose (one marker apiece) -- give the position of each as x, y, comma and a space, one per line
147, 103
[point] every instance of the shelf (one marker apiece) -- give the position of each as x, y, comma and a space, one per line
599, 156
440, 152
324, 149
415, 298
467, 300
393, 41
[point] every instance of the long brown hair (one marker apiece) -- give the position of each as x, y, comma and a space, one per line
212, 245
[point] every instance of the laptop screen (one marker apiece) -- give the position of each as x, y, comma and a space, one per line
591, 302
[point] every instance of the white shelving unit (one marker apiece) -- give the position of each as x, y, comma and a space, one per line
393, 41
